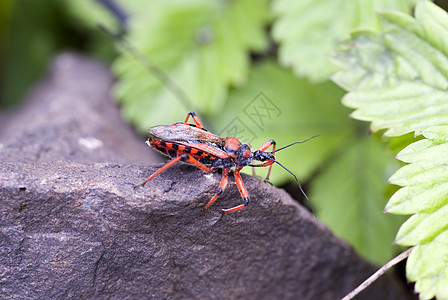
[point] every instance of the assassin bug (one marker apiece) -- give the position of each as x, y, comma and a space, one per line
192, 143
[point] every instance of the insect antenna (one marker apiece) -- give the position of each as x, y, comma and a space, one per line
300, 186
299, 142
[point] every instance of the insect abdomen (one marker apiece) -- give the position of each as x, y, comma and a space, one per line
173, 149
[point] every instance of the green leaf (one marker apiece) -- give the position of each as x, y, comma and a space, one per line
308, 30
437, 134
397, 78
423, 226
201, 45
397, 143
351, 191
425, 180
425, 194
427, 266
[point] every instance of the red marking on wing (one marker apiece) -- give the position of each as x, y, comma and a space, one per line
208, 149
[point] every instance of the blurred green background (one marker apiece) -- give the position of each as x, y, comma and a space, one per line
253, 69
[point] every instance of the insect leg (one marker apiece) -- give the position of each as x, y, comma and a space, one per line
166, 166
195, 118
264, 147
195, 162
243, 192
221, 188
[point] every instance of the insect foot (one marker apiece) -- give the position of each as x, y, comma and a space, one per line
139, 185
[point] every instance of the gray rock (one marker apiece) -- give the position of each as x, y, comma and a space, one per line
70, 116
73, 226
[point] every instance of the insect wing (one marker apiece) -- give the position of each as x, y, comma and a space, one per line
183, 133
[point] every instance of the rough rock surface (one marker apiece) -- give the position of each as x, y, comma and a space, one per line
73, 227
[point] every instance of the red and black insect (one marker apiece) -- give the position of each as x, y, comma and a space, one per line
192, 143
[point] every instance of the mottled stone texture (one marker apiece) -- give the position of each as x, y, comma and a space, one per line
73, 227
